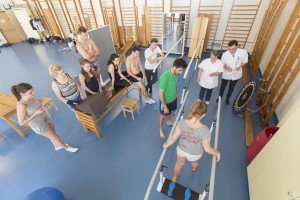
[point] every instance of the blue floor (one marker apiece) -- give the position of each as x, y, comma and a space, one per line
120, 164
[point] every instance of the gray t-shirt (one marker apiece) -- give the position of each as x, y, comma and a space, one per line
191, 139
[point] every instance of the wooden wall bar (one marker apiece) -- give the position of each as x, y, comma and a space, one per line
215, 12
240, 23
270, 20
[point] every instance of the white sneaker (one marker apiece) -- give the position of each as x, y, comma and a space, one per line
206, 102
152, 100
148, 101
58, 148
72, 149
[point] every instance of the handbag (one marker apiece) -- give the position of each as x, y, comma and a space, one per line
93, 104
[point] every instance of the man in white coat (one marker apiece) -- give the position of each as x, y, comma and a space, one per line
209, 70
234, 60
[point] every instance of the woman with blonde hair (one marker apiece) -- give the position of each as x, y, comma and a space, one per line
88, 78
65, 87
194, 139
31, 112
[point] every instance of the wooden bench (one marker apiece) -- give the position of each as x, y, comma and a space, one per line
89, 122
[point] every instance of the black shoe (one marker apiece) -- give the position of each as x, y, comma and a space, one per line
150, 90
227, 102
217, 100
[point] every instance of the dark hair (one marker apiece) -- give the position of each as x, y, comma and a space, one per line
16, 90
233, 42
81, 29
179, 63
135, 48
154, 40
83, 72
112, 58
215, 53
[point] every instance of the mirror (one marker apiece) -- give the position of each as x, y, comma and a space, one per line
173, 30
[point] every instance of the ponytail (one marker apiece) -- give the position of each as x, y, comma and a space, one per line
16, 90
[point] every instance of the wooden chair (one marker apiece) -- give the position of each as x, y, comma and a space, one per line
130, 105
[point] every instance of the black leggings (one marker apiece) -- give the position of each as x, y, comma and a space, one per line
203, 91
149, 74
230, 89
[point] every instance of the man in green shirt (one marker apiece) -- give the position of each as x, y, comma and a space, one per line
168, 92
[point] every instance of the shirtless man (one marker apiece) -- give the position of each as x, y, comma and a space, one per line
136, 71
88, 49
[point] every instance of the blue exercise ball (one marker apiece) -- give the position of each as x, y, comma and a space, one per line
46, 193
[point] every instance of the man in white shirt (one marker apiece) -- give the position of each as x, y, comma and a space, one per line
209, 70
234, 60
151, 61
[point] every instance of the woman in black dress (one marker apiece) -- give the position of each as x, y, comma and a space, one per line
118, 78
88, 79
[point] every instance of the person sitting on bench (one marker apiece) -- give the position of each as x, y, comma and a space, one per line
88, 79
136, 71
118, 78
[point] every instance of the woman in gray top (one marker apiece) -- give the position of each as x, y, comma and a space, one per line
194, 139
31, 112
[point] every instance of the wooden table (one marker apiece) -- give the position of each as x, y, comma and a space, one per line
8, 107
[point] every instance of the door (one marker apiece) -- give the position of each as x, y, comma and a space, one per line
23, 17
12, 17
8, 30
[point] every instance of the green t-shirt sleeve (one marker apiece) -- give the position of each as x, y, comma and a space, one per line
162, 82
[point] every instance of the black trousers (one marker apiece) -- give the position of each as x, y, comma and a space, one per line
202, 93
230, 89
151, 77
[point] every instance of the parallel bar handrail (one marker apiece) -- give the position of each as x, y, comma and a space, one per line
188, 69
167, 53
214, 161
191, 61
163, 153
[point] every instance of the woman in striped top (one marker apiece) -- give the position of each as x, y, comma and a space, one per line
65, 87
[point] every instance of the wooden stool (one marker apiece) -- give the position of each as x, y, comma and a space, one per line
48, 103
130, 105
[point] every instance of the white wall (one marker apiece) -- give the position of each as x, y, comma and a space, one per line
293, 93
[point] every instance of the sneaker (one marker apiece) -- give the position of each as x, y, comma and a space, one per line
152, 100
194, 170
58, 148
72, 149
206, 102
148, 101
227, 102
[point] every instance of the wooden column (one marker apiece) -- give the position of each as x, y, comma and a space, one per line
94, 13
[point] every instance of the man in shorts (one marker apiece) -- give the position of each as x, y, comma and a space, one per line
136, 72
88, 49
168, 92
